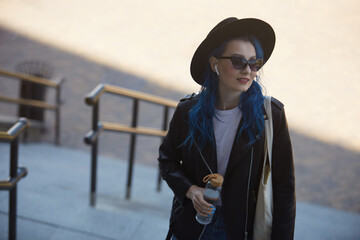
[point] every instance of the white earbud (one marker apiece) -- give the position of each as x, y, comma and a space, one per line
217, 71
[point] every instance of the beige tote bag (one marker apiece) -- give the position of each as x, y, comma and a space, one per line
264, 205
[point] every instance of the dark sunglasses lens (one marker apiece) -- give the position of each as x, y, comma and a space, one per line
238, 62
255, 65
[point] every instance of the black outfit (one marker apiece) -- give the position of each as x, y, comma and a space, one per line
181, 168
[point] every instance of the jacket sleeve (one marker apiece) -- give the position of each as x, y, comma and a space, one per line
170, 156
283, 179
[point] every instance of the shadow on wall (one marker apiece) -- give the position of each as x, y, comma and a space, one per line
325, 174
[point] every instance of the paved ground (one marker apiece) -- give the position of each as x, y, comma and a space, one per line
53, 201
326, 174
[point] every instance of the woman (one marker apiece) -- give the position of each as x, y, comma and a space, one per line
221, 130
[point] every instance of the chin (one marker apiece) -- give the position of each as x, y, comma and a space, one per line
242, 88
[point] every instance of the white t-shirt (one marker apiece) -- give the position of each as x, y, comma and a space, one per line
225, 128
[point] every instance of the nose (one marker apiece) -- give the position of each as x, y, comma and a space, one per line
246, 69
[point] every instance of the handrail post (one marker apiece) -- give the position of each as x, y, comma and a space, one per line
57, 116
13, 192
94, 152
132, 147
165, 123
91, 137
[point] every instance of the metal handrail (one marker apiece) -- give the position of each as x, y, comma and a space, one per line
14, 131
96, 93
56, 84
29, 78
16, 172
12, 181
29, 102
138, 130
91, 138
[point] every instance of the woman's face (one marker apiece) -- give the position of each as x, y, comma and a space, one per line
231, 80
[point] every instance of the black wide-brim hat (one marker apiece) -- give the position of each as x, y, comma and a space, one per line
228, 29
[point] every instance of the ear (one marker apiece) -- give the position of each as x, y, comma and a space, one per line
213, 61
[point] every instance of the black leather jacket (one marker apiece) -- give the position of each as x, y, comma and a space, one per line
181, 168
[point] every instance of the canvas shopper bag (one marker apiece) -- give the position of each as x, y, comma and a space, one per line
264, 205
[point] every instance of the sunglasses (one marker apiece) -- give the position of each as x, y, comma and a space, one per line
240, 63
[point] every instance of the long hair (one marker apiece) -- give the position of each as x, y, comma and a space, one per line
202, 112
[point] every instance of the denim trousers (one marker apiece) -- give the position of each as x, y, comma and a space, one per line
214, 230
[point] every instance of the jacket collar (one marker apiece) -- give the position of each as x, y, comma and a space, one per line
239, 149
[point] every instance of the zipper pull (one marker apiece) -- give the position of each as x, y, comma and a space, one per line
245, 235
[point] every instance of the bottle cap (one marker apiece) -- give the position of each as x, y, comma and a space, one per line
216, 180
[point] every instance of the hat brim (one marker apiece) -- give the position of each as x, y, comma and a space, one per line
247, 26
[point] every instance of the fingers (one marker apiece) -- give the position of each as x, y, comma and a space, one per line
196, 194
201, 206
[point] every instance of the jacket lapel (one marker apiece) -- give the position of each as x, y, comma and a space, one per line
239, 148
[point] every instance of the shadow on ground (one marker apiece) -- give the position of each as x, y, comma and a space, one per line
325, 174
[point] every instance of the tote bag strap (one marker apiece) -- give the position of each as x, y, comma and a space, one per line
264, 204
268, 133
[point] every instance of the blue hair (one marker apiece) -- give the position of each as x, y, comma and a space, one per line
202, 112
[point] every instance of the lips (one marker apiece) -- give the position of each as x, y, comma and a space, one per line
243, 80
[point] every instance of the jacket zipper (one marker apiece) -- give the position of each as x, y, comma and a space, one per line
247, 195
178, 208
247, 192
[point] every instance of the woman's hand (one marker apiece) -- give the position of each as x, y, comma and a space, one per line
196, 194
